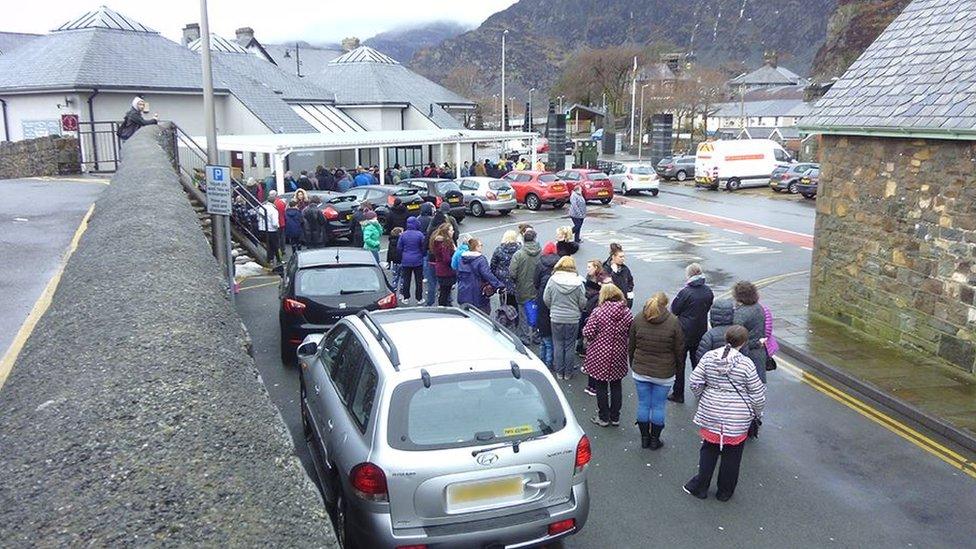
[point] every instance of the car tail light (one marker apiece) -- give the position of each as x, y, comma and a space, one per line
557, 528
388, 302
369, 482
293, 307
330, 213
583, 454
490, 195
389, 200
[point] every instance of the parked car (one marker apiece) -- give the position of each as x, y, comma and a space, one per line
467, 443
630, 177
597, 135
337, 210
487, 194
808, 184
436, 191
321, 286
596, 184
738, 163
382, 197
678, 168
534, 189
785, 178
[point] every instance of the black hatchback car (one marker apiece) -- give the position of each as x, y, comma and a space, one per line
437, 191
382, 197
321, 286
337, 209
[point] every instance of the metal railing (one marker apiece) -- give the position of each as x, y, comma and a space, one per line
100, 146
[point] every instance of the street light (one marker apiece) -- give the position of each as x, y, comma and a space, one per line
494, 98
511, 107
560, 99
640, 138
504, 122
530, 107
633, 97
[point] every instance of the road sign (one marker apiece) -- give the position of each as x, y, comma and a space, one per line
69, 122
218, 190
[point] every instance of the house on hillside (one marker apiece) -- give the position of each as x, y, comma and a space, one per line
896, 211
767, 76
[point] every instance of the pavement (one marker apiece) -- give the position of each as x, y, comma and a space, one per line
825, 470
38, 217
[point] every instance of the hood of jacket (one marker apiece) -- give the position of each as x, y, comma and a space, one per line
413, 223
722, 313
724, 365
549, 261
660, 318
616, 310
696, 281
427, 209
509, 248
532, 248
566, 282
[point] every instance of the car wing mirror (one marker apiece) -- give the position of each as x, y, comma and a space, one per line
309, 347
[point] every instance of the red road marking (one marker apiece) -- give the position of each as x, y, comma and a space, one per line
753, 229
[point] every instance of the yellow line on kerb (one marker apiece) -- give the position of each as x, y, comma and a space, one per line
41, 305
918, 439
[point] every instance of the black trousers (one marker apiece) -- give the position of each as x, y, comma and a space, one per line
416, 273
444, 286
577, 227
609, 411
272, 245
691, 348
728, 471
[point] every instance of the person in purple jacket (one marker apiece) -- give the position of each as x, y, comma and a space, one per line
411, 248
472, 274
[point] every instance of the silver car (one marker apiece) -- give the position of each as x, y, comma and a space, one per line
466, 443
629, 177
487, 194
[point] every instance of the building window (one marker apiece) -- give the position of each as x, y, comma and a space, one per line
253, 160
267, 160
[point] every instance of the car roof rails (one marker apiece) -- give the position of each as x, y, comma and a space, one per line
386, 342
475, 312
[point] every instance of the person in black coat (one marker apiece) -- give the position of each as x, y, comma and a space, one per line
442, 216
313, 222
619, 272
357, 219
691, 306
397, 216
134, 119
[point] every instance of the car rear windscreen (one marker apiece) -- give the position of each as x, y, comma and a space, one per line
598, 176
548, 178
472, 409
641, 170
445, 187
499, 185
335, 281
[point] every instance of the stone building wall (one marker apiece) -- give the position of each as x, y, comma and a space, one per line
51, 155
895, 242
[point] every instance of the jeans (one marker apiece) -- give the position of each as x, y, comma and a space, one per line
431, 279
526, 332
545, 350
395, 270
444, 286
608, 411
564, 347
728, 471
577, 227
691, 347
651, 401
415, 273
376, 256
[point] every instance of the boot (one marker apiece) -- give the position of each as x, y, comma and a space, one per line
645, 433
655, 441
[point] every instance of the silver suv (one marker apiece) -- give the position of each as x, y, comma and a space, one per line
465, 441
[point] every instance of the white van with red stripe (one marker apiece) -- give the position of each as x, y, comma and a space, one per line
738, 163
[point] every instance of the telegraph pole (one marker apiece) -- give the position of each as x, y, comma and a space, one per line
504, 122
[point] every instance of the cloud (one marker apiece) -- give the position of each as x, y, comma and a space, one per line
282, 20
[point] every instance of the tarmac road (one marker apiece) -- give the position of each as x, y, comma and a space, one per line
819, 475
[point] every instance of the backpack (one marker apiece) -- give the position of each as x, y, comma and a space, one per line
125, 130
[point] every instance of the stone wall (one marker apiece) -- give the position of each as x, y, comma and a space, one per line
895, 242
51, 155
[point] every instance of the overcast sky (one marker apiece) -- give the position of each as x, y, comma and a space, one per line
273, 21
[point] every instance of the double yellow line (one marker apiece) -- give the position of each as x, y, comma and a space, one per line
918, 439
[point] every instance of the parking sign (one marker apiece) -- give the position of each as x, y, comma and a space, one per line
218, 190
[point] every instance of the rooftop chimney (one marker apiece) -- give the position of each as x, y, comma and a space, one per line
190, 33
244, 35
771, 58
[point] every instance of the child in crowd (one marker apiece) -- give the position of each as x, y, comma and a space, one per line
393, 255
293, 226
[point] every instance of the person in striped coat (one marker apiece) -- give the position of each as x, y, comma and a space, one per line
730, 396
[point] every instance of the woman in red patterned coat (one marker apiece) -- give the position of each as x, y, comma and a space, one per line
607, 332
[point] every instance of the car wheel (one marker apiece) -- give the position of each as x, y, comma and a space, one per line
654, 192
532, 202
791, 187
624, 189
732, 185
341, 526
477, 209
776, 189
605, 201
808, 195
558, 205
681, 176
505, 212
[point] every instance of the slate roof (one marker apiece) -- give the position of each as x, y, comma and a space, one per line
795, 92
917, 78
767, 75
313, 58
370, 78
12, 40
772, 107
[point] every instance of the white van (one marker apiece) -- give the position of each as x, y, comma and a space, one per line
738, 163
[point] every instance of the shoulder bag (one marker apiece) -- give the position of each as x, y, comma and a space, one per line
756, 423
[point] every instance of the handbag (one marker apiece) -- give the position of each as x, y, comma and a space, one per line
756, 423
770, 363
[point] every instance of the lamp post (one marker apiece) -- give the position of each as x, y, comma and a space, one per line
560, 98
511, 107
530, 107
494, 98
640, 131
633, 101
504, 121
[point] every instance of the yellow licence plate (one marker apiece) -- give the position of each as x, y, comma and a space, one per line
644, 178
486, 490
348, 217
453, 200
603, 193
413, 206
505, 196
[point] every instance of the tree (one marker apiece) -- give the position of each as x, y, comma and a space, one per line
350, 43
589, 74
464, 80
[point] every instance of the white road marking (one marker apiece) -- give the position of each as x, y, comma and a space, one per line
700, 223
807, 248
731, 231
769, 240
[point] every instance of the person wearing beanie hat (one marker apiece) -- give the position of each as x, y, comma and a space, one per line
372, 231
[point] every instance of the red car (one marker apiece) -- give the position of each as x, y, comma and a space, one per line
537, 188
595, 183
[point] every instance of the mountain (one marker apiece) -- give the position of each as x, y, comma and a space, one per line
850, 30
402, 43
544, 33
